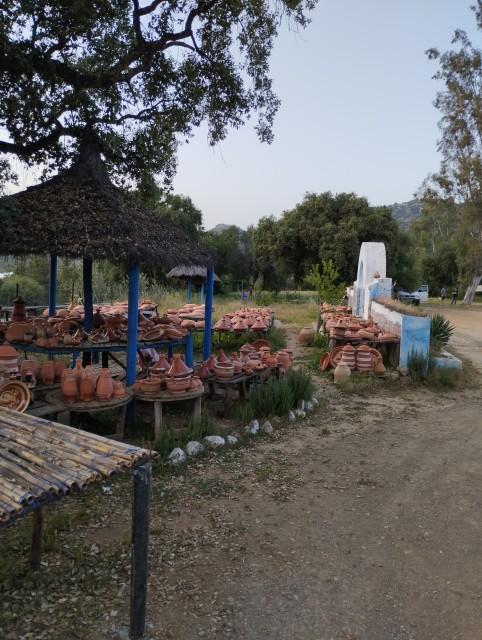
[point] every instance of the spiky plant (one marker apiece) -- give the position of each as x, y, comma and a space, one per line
441, 330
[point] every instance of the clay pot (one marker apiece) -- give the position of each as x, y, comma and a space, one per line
364, 358
221, 357
306, 336
70, 391
47, 373
210, 362
29, 365
284, 359
150, 385
87, 386
342, 373
178, 386
178, 368
379, 368
78, 369
105, 385
223, 370
18, 311
204, 372
59, 367
348, 356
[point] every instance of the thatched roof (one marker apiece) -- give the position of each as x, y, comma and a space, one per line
81, 214
193, 272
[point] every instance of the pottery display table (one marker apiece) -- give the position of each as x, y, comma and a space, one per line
55, 398
389, 349
164, 396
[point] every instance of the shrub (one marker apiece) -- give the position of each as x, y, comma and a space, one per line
441, 330
274, 398
419, 366
300, 383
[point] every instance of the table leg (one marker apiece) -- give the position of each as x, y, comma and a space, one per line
121, 420
157, 420
228, 399
242, 389
196, 408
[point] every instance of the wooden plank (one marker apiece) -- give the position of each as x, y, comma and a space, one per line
141, 478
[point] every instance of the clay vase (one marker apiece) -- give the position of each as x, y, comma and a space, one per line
78, 369
284, 359
59, 367
29, 365
18, 311
87, 386
119, 389
47, 373
178, 369
306, 336
69, 387
105, 385
342, 372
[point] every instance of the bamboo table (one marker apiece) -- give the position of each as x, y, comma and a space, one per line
164, 396
55, 398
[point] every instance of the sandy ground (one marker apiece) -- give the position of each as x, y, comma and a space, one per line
361, 522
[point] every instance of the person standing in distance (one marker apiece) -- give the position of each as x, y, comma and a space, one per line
455, 293
443, 294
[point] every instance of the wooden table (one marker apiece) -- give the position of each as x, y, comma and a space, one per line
164, 396
55, 398
241, 381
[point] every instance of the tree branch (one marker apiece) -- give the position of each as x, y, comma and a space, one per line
28, 148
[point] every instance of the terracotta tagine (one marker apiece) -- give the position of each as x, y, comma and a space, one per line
178, 386
178, 368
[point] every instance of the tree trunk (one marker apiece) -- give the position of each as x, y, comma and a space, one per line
470, 293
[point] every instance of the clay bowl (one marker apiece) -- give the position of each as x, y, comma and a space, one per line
150, 385
178, 386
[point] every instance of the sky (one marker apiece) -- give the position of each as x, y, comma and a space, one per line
356, 113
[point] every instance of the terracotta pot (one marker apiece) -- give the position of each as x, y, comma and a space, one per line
284, 359
59, 367
105, 385
78, 370
306, 336
47, 373
70, 391
150, 385
178, 368
348, 356
178, 386
223, 371
204, 372
379, 368
87, 386
29, 365
221, 357
364, 360
342, 373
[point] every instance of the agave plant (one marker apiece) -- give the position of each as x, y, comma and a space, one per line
441, 330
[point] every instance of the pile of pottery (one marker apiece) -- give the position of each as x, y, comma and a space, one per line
339, 309
65, 330
174, 376
80, 384
247, 362
246, 319
355, 328
362, 359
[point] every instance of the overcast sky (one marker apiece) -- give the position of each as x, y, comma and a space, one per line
356, 116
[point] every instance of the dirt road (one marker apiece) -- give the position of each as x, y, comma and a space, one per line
362, 523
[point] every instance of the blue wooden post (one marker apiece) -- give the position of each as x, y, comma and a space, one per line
189, 349
189, 289
208, 314
133, 302
88, 297
202, 293
53, 286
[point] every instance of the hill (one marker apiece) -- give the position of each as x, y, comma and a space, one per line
405, 212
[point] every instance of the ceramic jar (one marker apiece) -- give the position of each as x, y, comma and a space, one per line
69, 387
105, 385
284, 359
379, 368
178, 386
78, 369
47, 372
59, 367
87, 386
306, 336
29, 365
342, 372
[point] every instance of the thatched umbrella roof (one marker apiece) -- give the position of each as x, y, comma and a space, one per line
81, 214
193, 272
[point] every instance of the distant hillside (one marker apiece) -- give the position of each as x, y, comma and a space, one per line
405, 212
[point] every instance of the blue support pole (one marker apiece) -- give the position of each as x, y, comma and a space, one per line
189, 289
133, 302
189, 350
202, 293
88, 296
53, 286
208, 314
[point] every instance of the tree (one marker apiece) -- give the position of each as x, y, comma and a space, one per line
233, 246
325, 282
460, 176
134, 77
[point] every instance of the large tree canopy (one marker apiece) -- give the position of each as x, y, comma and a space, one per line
135, 76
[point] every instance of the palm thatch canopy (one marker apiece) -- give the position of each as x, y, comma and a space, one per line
192, 272
81, 214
